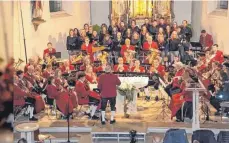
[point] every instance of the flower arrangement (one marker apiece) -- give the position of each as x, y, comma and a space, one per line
127, 90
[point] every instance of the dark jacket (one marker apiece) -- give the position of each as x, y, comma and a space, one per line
174, 45
117, 44
71, 43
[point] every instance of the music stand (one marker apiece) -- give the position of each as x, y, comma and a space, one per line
196, 47
57, 55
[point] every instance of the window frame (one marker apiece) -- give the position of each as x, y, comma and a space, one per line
53, 8
222, 4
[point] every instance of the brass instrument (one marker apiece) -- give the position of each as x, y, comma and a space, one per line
50, 60
96, 49
78, 58
103, 56
40, 61
129, 55
152, 56
137, 69
18, 63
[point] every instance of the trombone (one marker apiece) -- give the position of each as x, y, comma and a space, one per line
18, 63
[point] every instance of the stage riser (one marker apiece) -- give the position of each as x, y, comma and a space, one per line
65, 129
118, 136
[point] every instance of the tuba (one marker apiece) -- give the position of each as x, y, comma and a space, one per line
18, 63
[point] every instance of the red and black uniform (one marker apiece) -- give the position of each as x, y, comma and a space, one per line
63, 101
88, 49
218, 57
39, 103
148, 46
160, 70
19, 96
108, 89
206, 41
49, 51
125, 68
85, 95
142, 69
125, 48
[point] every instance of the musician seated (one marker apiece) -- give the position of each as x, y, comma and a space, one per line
87, 46
86, 96
48, 72
128, 56
102, 67
29, 75
62, 67
217, 54
61, 97
31, 62
137, 67
206, 40
182, 100
59, 80
49, 50
22, 97
150, 44
28, 81
120, 67
68, 67
127, 47
86, 63
157, 68
90, 75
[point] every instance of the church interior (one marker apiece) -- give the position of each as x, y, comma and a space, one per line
138, 71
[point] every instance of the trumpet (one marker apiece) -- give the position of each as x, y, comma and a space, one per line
18, 63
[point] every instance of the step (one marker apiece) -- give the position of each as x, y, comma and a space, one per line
119, 136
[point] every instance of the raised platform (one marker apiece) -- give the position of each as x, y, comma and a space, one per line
144, 122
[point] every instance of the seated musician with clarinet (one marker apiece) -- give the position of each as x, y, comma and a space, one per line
87, 96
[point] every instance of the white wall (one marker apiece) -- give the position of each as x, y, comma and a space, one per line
54, 30
99, 12
6, 31
216, 25
182, 11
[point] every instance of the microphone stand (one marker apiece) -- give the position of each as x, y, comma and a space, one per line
68, 118
23, 34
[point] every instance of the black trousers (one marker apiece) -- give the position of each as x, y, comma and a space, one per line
93, 101
112, 101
